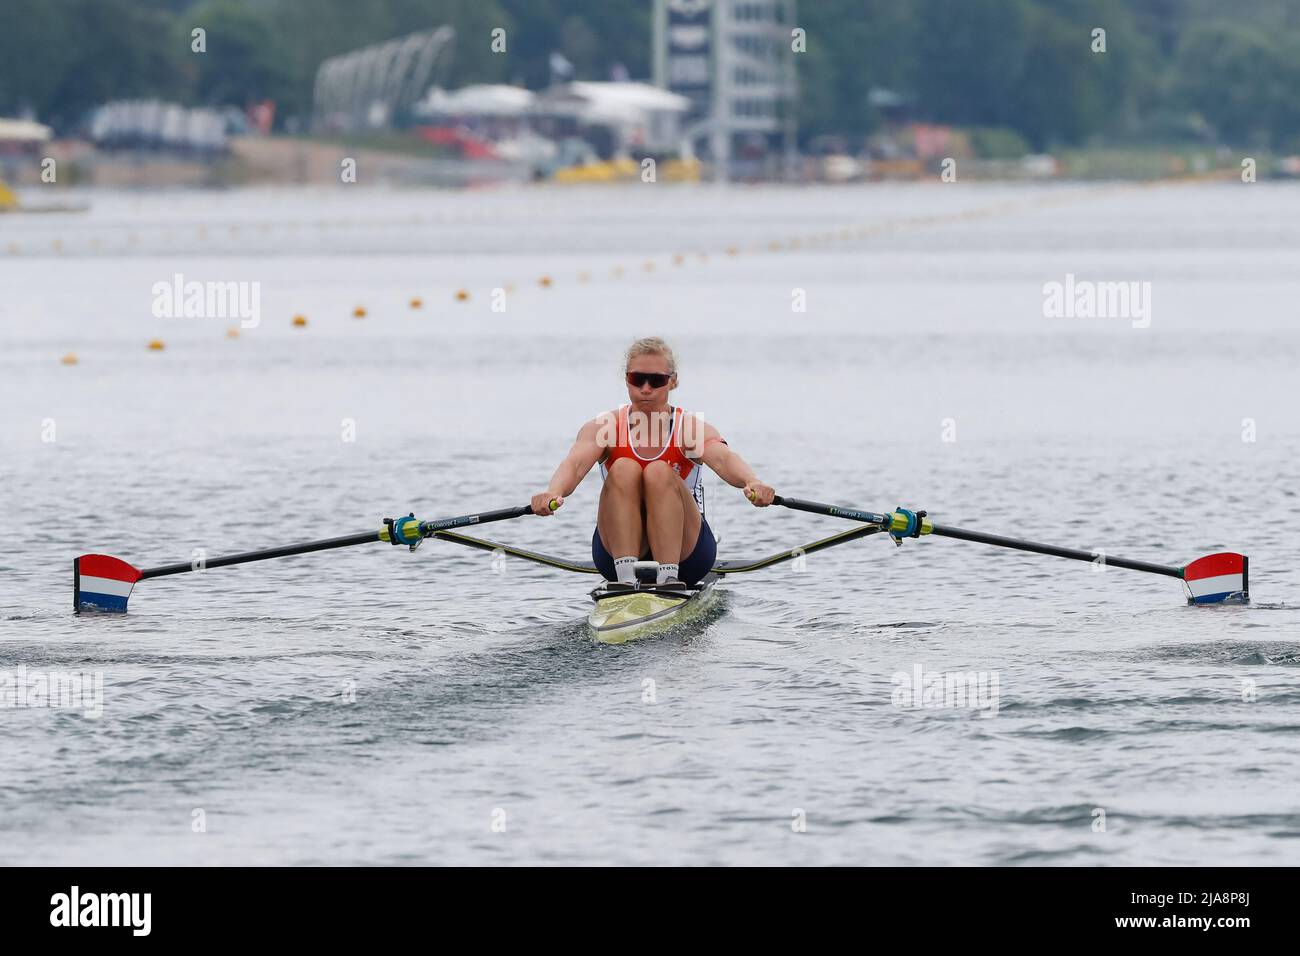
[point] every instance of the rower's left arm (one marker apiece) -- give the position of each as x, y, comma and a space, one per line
733, 469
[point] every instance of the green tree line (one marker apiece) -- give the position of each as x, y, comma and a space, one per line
1172, 69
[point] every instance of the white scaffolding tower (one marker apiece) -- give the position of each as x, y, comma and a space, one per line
734, 59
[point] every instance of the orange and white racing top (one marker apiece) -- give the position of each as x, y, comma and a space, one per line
672, 451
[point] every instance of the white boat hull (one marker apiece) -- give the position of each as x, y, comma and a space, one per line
619, 617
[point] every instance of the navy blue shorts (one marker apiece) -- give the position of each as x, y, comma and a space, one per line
697, 564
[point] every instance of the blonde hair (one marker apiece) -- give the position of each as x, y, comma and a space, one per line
651, 345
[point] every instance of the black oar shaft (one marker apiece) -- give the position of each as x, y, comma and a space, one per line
266, 554
427, 528
485, 517
834, 511
1076, 554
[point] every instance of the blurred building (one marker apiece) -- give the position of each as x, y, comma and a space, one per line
154, 125
21, 135
487, 121
20, 141
734, 61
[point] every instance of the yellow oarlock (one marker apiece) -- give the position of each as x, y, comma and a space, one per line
898, 523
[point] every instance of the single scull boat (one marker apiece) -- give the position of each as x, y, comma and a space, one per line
620, 614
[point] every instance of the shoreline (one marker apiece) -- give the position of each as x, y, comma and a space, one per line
297, 161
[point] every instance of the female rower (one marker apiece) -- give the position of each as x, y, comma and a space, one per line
650, 453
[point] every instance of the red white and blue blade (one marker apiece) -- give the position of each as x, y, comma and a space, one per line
1216, 578
102, 583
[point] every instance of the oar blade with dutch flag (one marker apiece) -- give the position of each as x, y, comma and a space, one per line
1218, 578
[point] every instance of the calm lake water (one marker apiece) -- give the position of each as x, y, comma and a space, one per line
371, 705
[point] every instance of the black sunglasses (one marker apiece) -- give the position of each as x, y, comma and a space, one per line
656, 379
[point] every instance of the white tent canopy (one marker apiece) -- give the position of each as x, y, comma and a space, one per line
611, 102
482, 99
22, 131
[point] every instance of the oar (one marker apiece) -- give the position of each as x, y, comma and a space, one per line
1212, 579
101, 582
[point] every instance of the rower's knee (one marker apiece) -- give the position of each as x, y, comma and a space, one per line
625, 473
659, 475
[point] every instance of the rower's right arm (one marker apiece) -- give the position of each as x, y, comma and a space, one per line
588, 448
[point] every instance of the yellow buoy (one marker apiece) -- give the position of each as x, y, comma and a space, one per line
358, 313
678, 259
156, 345
544, 282
232, 332
300, 321
462, 295
417, 303
69, 359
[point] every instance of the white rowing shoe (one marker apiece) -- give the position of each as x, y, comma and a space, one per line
104, 583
